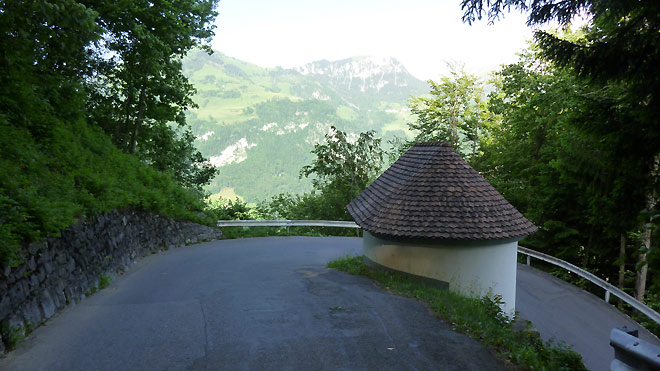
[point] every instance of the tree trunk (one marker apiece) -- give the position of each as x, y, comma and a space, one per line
622, 265
120, 127
140, 116
640, 283
587, 249
476, 138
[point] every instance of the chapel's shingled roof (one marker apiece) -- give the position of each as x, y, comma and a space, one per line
432, 193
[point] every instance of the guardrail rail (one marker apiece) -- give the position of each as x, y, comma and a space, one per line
289, 223
608, 287
632, 353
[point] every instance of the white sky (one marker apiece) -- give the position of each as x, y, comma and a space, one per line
421, 34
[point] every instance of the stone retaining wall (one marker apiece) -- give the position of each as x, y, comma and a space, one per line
65, 269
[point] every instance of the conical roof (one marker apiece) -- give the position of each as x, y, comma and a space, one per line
432, 193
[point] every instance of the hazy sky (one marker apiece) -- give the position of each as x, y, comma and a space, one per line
422, 34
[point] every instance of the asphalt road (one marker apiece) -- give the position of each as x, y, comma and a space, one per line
566, 313
269, 304
250, 304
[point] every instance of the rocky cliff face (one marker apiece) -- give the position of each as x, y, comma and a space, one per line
65, 269
384, 77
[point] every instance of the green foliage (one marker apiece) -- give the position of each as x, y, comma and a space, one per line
608, 142
605, 132
104, 281
342, 169
542, 159
481, 319
249, 232
350, 264
67, 64
77, 173
231, 210
138, 93
12, 337
455, 113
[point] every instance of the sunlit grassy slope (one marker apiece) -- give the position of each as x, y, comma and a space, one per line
260, 124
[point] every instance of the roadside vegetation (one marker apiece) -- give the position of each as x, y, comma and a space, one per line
481, 319
92, 102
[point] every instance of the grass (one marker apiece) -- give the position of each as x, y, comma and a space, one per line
481, 319
104, 281
13, 337
346, 113
71, 173
225, 194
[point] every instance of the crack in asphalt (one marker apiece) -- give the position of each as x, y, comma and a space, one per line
206, 332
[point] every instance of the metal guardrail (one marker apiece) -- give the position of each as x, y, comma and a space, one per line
631, 353
608, 287
288, 223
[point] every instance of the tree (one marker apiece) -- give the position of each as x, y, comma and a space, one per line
519, 159
60, 69
620, 51
44, 59
621, 46
343, 168
456, 113
42, 62
139, 90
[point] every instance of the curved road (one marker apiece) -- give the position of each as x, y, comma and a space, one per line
249, 304
269, 303
566, 313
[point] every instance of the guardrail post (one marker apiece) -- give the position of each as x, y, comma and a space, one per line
631, 353
607, 296
528, 260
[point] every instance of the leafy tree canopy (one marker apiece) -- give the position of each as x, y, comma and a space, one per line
344, 167
621, 46
619, 58
456, 113
66, 64
138, 90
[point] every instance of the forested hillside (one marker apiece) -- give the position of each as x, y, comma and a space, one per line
259, 125
92, 102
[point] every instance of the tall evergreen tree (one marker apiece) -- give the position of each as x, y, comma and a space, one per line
619, 53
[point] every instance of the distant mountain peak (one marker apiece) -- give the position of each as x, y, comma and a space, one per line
361, 74
362, 66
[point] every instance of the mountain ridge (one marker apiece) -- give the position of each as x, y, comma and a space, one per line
258, 125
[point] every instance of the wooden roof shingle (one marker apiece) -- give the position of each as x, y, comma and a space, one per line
432, 193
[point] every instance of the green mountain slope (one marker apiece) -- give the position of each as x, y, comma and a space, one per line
259, 125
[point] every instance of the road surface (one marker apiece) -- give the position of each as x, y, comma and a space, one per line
269, 304
566, 313
249, 304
